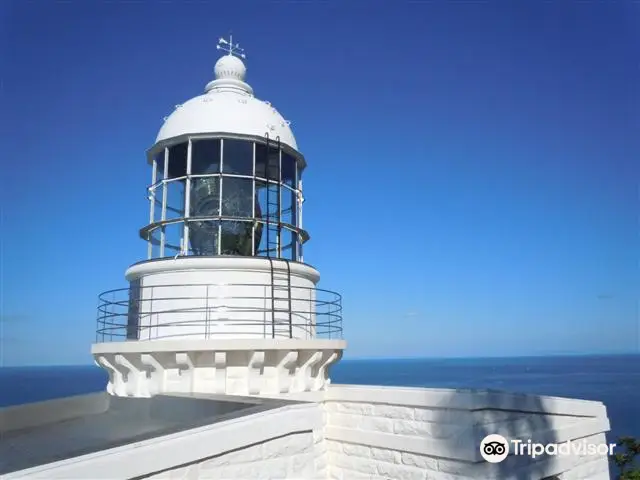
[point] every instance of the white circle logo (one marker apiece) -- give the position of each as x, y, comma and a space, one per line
494, 448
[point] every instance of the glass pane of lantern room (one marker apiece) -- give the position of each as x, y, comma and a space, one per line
205, 156
155, 243
288, 170
266, 233
203, 237
237, 157
175, 199
267, 201
236, 238
178, 160
204, 202
237, 197
157, 189
288, 239
288, 206
267, 161
172, 239
237, 202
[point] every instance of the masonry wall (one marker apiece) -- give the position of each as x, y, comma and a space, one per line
355, 432
439, 441
357, 461
299, 455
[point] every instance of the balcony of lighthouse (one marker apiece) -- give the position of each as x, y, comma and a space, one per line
207, 311
224, 249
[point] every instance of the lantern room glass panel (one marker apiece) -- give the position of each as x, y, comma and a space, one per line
288, 170
178, 160
225, 196
238, 157
205, 156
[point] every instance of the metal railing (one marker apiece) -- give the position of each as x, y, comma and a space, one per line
218, 311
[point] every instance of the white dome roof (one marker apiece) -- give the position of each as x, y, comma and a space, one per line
228, 106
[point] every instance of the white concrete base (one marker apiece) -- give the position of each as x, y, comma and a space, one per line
235, 367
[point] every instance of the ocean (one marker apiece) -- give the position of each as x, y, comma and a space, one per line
613, 380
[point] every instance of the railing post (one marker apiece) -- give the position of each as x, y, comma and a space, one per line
309, 331
330, 320
150, 312
98, 320
111, 321
207, 328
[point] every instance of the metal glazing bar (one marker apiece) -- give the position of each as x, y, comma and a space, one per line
187, 203
219, 241
294, 219
268, 216
253, 204
300, 202
164, 199
279, 230
152, 202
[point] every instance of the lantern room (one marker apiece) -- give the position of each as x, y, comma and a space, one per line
225, 194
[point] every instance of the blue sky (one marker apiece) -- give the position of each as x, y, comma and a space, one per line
472, 187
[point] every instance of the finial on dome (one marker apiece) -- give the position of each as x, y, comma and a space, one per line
229, 69
231, 48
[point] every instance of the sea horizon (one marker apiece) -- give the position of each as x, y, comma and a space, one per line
394, 358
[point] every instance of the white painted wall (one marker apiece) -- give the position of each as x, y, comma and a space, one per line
224, 297
228, 366
416, 433
353, 432
263, 445
299, 455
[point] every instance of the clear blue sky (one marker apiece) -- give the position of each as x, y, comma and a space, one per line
473, 172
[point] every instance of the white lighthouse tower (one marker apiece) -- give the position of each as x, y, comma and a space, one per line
223, 303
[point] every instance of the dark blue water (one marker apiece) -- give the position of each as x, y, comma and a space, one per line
614, 380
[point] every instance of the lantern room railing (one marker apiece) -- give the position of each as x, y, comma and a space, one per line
197, 311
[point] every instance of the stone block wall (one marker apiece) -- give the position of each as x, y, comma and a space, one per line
355, 432
357, 461
299, 455
427, 438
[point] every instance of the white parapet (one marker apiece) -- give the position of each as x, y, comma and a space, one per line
351, 432
425, 433
225, 366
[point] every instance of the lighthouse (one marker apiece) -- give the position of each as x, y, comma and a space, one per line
224, 301
224, 329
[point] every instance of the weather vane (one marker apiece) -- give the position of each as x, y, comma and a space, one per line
231, 48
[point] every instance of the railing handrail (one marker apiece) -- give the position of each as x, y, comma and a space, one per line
312, 311
126, 289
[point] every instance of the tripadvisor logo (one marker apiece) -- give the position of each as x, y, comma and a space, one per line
495, 448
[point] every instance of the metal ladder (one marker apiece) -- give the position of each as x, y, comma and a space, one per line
273, 216
273, 204
279, 287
